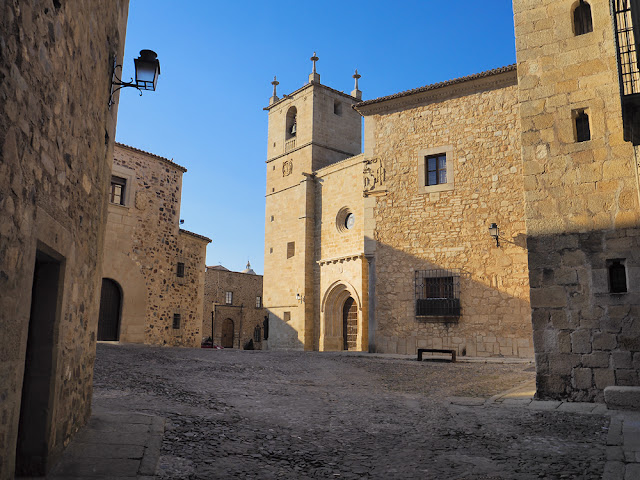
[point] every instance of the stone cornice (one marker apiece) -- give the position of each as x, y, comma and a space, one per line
343, 258
316, 144
304, 87
490, 80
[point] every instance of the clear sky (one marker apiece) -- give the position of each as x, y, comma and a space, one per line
218, 59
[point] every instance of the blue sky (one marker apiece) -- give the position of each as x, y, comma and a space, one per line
217, 62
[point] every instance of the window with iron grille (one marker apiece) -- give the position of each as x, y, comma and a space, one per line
436, 171
437, 293
583, 132
176, 320
116, 193
257, 334
258, 302
617, 276
228, 298
582, 22
180, 270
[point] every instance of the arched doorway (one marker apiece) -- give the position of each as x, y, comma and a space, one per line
110, 309
227, 333
349, 324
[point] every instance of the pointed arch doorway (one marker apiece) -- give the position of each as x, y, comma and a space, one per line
341, 319
110, 311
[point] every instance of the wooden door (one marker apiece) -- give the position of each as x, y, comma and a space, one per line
349, 324
227, 333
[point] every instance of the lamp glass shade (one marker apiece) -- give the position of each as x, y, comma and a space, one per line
147, 70
493, 230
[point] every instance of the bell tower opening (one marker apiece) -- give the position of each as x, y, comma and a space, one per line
292, 123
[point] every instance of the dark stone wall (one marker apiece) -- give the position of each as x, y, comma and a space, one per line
56, 146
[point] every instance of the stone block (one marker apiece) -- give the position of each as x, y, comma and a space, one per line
622, 360
563, 364
548, 297
582, 378
596, 360
622, 398
626, 377
581, 341
604, 341
603, 377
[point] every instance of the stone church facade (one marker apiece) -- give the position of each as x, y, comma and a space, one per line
56, 148
153, 271
390, 250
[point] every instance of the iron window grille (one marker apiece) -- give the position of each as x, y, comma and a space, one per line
437, 293
180, 270
176, 321
436, 171
626, 20
258, 302
228, 298
257, 334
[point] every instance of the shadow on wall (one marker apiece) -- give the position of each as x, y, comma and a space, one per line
282, 336
585, 298
474, 301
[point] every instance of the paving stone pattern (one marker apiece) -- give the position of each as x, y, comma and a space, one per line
257, 414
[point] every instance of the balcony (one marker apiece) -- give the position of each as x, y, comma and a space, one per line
289, 145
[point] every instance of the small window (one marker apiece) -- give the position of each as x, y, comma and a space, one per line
228, 298
258, 302
270, 249
116, 194
176, 321
257, 334
287, 317
617, 276
437, 293
272, 218
180, 270
583, 132
291, 249
436, 171
582, 22
337, 107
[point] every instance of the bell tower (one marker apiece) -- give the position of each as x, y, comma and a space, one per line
310, 128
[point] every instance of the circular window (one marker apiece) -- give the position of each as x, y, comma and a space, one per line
345, 220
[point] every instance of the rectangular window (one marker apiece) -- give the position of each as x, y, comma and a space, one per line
287, 317
436, 171
180, 270
617, 275
116, 193
291, 249
583, 133
258, 302
437, 293
228, 298
176, 321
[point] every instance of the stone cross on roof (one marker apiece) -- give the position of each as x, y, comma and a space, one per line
356, 92
314, 77
274, 98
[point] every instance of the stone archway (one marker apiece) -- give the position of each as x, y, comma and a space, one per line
341, 302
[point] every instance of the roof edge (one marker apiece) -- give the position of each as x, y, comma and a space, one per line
307, 85
164, 159
196, 235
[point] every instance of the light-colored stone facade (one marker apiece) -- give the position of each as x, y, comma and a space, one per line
414, 227
581, 201
143, 246
56, 148
367, 272
233, 308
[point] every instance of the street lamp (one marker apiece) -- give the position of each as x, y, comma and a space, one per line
494, 231
147, 70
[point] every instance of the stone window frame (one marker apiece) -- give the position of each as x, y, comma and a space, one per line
258, 301
228, 298
581, 115
181, 280
582, 18
446, 150
176, 320
128, 176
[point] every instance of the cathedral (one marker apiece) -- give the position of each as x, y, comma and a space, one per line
493, 215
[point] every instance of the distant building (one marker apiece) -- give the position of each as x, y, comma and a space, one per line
153, 271
56, 147
233, 311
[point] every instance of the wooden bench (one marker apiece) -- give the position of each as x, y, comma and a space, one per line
436, 350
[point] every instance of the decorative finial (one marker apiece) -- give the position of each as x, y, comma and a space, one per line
314, 59
248, 264
275, 83
356, 76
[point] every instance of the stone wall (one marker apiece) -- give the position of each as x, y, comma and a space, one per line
143, 246
581, 202
243, 311
56, 142
414, 227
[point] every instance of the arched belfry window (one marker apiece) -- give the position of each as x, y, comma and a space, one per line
292, 126
582, 22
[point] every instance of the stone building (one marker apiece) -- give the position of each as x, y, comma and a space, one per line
233, 311
547, 150
56, 142
153, 271
367, 251
578, 83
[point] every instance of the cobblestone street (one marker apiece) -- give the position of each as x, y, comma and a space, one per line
254, 414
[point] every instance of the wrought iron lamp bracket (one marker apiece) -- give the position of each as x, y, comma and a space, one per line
117, 82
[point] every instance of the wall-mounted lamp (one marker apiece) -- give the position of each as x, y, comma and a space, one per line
494, 231
297, 296
147, 71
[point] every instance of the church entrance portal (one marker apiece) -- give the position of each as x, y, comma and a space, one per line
110, 308
227, 333
349, 324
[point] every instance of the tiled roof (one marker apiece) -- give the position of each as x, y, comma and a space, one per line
170, 162
201, 237
434, 86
